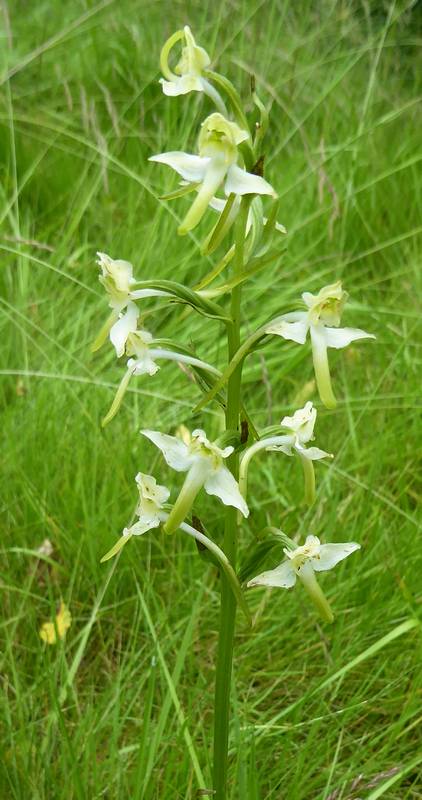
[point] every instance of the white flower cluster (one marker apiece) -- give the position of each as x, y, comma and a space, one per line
220, 165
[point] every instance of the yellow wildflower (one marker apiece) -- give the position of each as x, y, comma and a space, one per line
49, 631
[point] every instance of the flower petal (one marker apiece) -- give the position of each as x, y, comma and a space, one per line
302, 422
191, 168
118, 398
123, 327
104, 332
282, 448
202, 438
331, 554
194, 481
312, 453
308, 475
341, 337
283, 576
143, 365
222, 484
312, 541
326, 307
119, 270
322, 370
293, 326
239, 181
175, 452
307, 575
142, 526
196, 57
150, 490
212, 179
182, 85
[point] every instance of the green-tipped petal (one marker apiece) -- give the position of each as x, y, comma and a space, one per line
322, 370
165, 52
228, 211
121, 391
214, 176
104, 332
194, 482
309, 476
307, 576
116, 548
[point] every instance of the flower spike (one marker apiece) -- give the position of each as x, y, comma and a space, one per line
302, 563
324, 311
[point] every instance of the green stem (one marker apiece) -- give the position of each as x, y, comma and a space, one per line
228, 601
233, 366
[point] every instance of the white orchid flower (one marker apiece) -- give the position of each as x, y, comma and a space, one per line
324, 311
117, 278
301, 429
139, 344
149, 510
152, 497
151, 514
188, 75
203, 462
302, 563
214, 166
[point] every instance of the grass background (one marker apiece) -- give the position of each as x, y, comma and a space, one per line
123, 707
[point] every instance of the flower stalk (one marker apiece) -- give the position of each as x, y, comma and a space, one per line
228, 603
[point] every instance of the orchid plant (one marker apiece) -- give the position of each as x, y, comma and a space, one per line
225, 176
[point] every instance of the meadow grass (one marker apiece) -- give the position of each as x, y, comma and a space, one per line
122, 708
